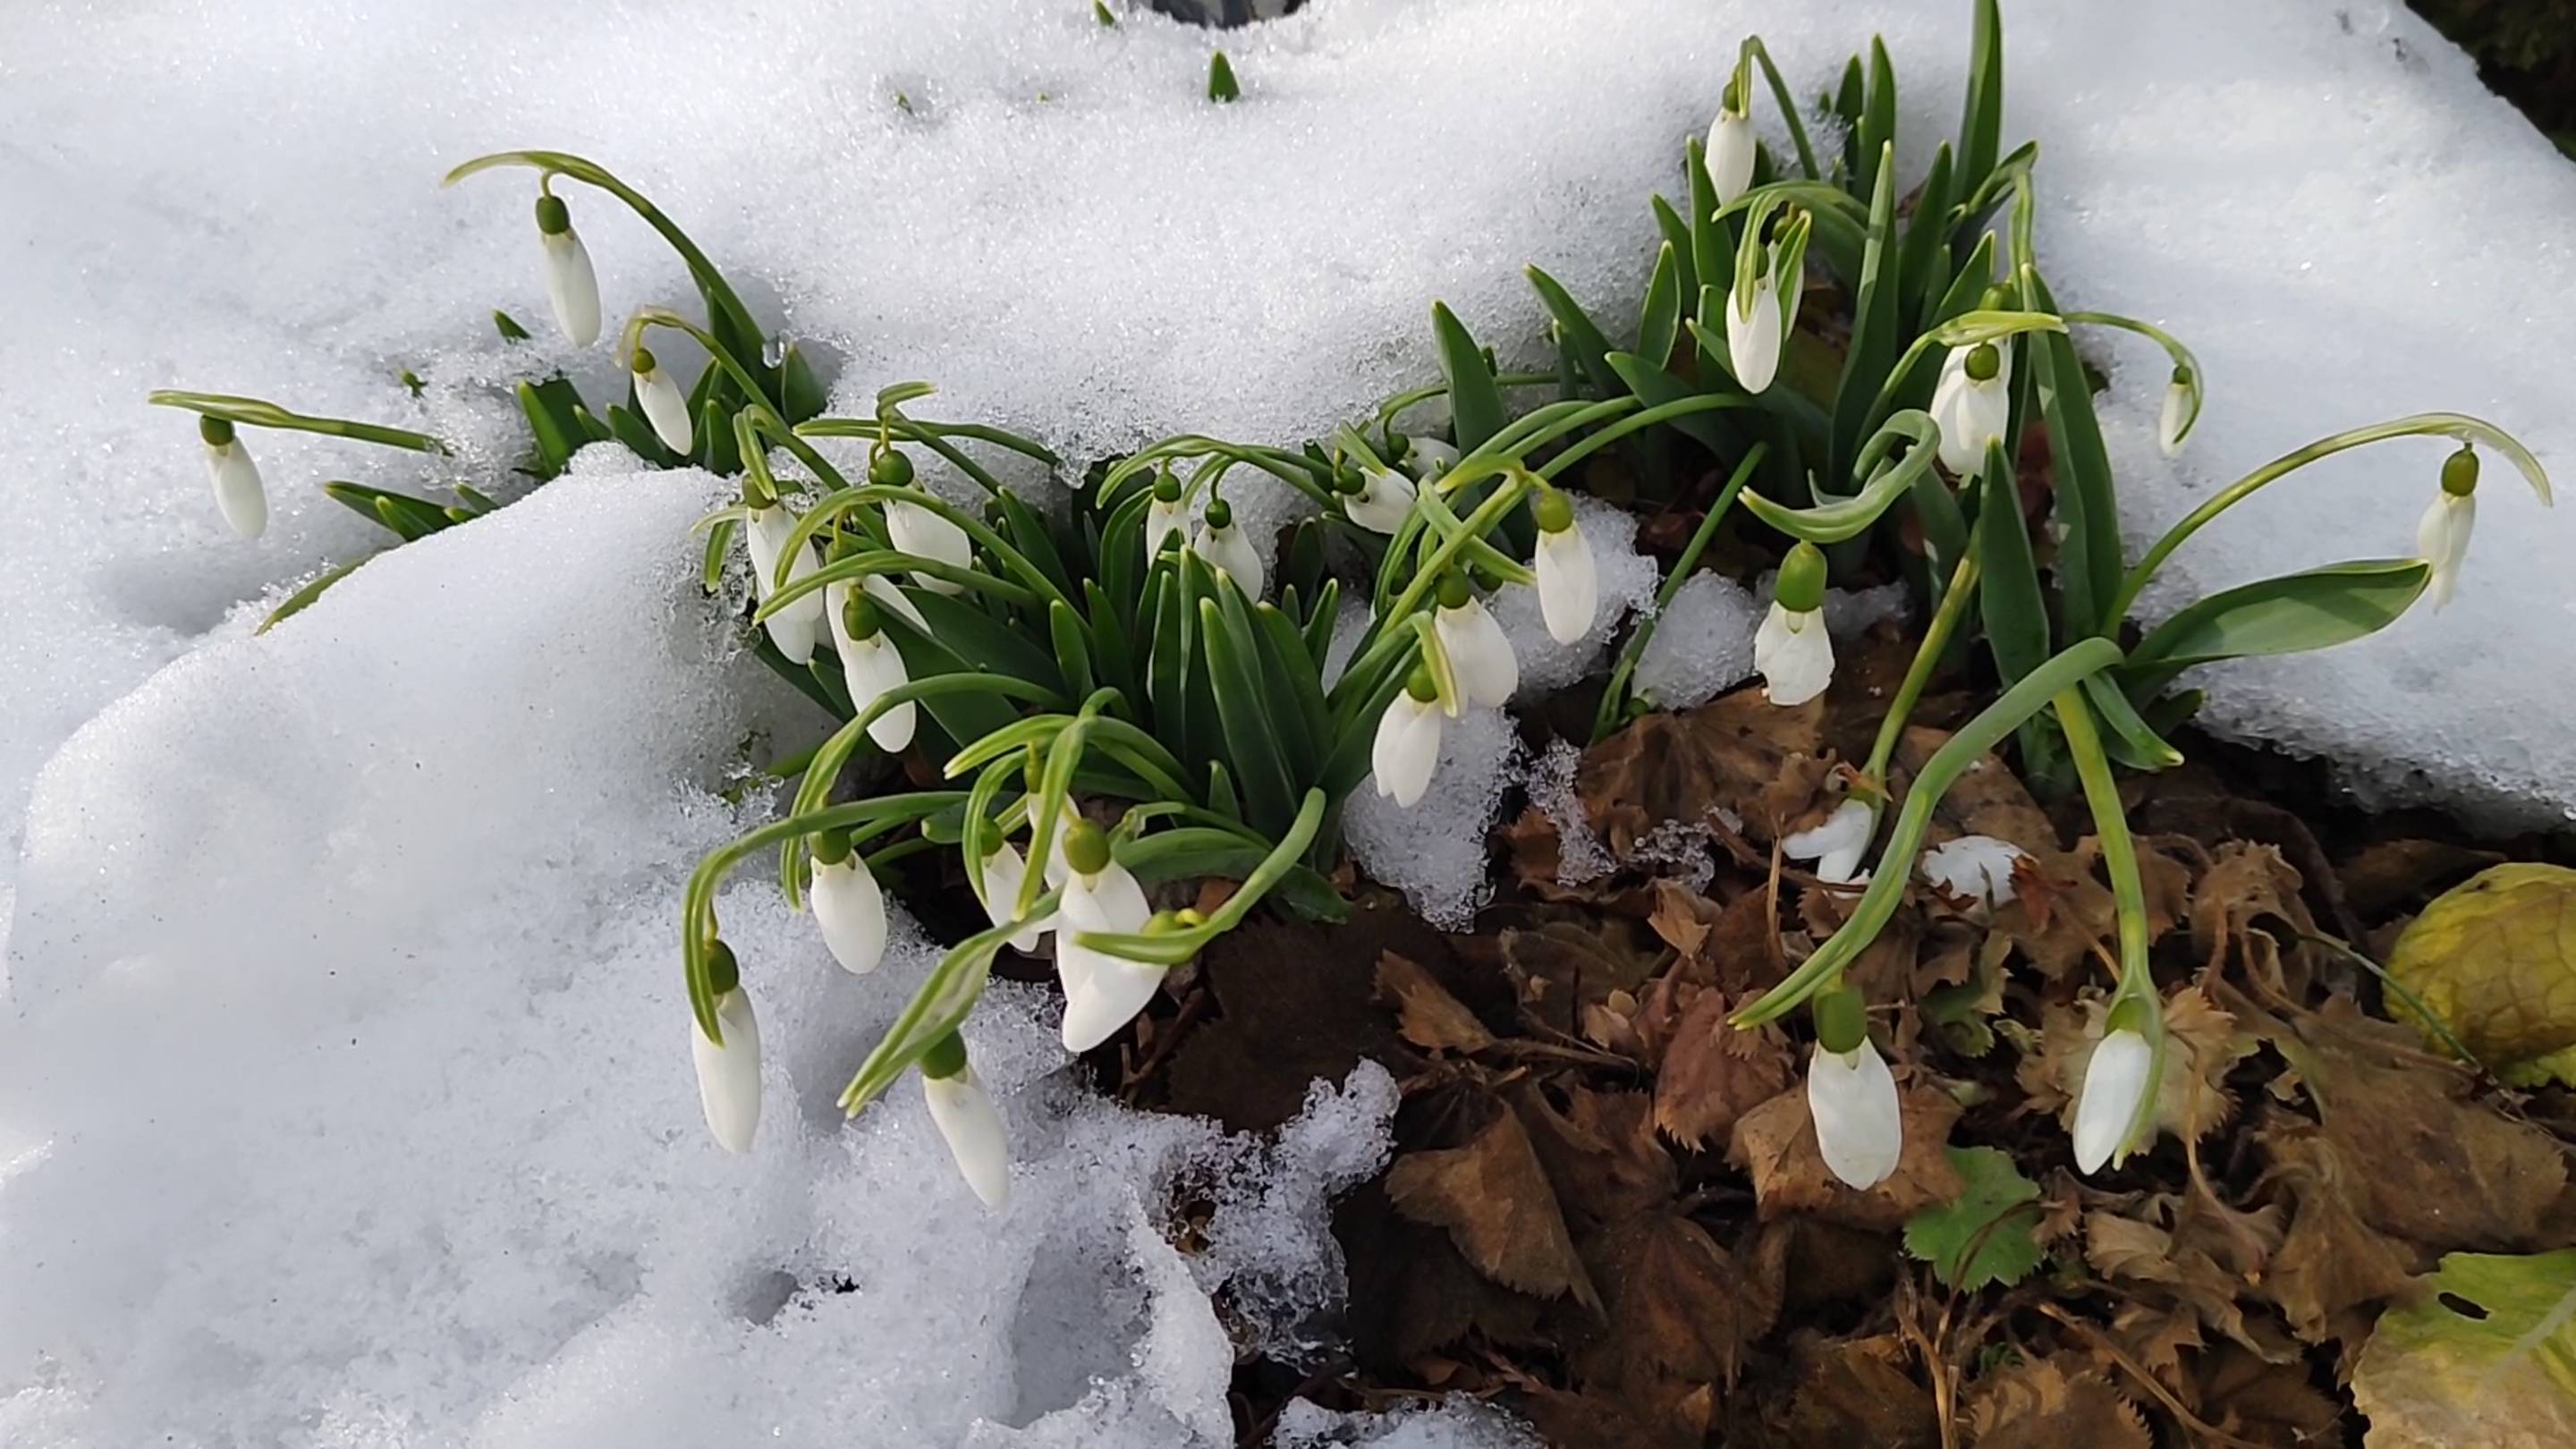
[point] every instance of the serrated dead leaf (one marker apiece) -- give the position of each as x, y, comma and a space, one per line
1775, 1144
2039, 1404
1713, 1074
1495, 1200
1426, 1014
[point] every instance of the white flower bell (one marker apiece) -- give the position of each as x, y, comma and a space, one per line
1004, 870
870, 664
848, 904
239, 494
795, 627
728, 1075
1429, 457
1977, 867
1972, 405
1792, 650
1166, 517
1407, 750
1860, 1128
1103, 991
1384, 499
2116, 1082
923, 533
1838, 845
965, 1115
2174, 421
1731, 142
1227, 548
1755, 327
1569, 590
571, 286
2442, 537
664, 405
1480, 654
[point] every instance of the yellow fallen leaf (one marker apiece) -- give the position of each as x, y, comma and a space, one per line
2495, 958
2487, 1358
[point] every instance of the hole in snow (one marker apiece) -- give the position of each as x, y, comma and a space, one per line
759, 1301
1080, 1313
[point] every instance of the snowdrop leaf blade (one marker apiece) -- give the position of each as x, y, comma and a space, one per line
1873, 349
302, 599
1655, 387
2132, 742
1712, 250
1981, 127
1877, 120
1475, 402
982, 642
2089, 562
2291, 614
1659, 320
1072, 650
938, 1008
1252, 741
1583, 337
2014, 605
1677, 235
1927, 234
1846, 518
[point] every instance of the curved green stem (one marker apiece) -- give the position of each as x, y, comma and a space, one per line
889, 561
1173, 948
261, 413
813, 520
1614, 698
1395, 406
2183, 361
1788, 106
1927, 657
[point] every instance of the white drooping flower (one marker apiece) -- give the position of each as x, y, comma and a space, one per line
2116, 1082
1166, 517
2442, 536
794, 628
1977, 867
1384, 499
1004, 869
1838, 845
240, 496
1972, 405
965, 1115
1229, 551
729, 1075
1429, 457
1859, 1126
2175, 418
571, 286
926, 533
1480, 654
870, 664
1731, 145
849, 905
1103, 991
1569, 590
664, 405
1792, 650
1407, 749
1754, 328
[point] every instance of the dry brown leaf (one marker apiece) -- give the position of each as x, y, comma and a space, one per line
2331, 1262
2202, 1045
1600, 1152
1740, 754
1426, 1014
1562, 967
1857, 1391
2392, 875
2038, 1404
1775, 1144
1494, 1198
1714, 1074
1674, 1304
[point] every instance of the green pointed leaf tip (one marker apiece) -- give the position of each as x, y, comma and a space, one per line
1983, 1236
1220, 83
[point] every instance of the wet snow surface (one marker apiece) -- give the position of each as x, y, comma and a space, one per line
344, 1095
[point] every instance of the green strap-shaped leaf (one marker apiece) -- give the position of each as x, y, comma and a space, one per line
1877, 123
1677, 235
1846, 518
2291, 614
1582, 337
1072, 649
302, 599
2132, 741
1250, 733
1475, 401
1981, 126
2015, 609
1873, 341
2088, 561
1296, 690
1927, 233
1659, 319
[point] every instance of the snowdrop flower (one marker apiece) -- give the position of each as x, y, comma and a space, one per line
965, 1115
1568, 592
1166, 516
1791, 651
1382, 501
1103, 991
2176, 415
2442, 538
1837, 846
1979, 867
1730, 144
870, 664
571, 285
1972, 404
1754, 327
239, 494
728, 1075
2115, 1086
848, 904
925, 534
1430, 457
1408, 742
1859, 1127
764, 537
663, 404
1480, 655
1004, 869
1225, 546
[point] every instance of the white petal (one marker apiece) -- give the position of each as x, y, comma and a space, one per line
1004, 869
1793, 654
870, 667
2115, 1083
1978, 867
1970, 414
240, 496
883, 590
1162, 520
1384, 501
1730, 155
729, 1075
1569, 592
1859, 1127
850, 907
2442, 540
1479, 653
1429, 457
918, 531
966, 1116
2169, 423
666, 408
1108, 899
1838, 845
1407, 750
1753, 336
572, 287
765, 540
1103, 991
1231, 551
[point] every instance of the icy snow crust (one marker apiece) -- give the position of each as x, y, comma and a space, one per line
345, 1098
